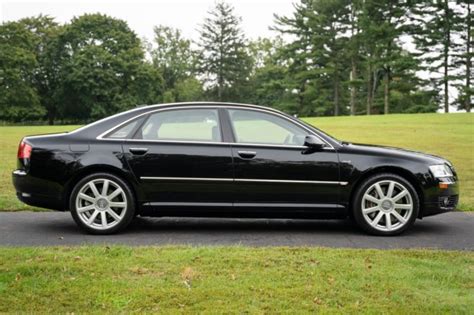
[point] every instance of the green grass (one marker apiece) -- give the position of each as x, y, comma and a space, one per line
234, 280
450, 136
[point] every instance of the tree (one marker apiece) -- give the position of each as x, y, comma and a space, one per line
382, 25
224, 61
463, 56
44, 31
318, 53
438, 22
173, 56
269, 84
103, 69
354, 51
19, 99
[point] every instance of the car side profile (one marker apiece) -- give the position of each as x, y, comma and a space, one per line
226, 160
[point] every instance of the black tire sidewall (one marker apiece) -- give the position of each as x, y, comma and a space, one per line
357, 200
129, 214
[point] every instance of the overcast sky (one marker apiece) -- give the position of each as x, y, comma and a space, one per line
142, 15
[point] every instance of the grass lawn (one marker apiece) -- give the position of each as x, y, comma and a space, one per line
234, 280
451, 136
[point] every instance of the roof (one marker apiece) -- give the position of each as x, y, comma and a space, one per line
223, 104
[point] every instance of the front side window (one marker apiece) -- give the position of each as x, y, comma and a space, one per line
182, 125
256, 127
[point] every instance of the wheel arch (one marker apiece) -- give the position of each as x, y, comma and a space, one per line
400, 171
92, 169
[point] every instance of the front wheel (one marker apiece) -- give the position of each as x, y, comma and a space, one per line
102, 204
385, 204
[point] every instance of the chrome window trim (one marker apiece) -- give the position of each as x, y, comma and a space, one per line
245, 180
101, 136
213, 143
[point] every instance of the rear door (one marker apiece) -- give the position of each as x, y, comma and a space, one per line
179, 158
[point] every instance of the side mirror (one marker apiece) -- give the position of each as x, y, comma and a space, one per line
313, 143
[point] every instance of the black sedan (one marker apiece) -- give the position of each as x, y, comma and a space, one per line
226, 160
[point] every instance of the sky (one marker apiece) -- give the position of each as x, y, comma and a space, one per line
142, 15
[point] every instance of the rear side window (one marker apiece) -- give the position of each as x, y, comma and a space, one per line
124, 132
182, 125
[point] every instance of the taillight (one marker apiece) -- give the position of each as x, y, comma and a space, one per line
24, 150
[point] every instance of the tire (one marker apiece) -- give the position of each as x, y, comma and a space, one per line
385, 204
90, 205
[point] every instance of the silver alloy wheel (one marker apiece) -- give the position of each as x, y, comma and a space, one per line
101, 204
387, 205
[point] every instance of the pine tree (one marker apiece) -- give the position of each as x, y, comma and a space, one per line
435, 41
355, 13
223, 57
318, 54
463, 55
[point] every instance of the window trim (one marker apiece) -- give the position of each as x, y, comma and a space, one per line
144, 117
329, 147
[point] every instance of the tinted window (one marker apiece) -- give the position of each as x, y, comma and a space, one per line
124, 131
258, 127
182, 125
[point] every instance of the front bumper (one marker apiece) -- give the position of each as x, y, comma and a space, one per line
440, 200
36, 192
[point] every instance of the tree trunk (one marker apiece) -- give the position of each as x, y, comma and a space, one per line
353, 75
386, 91
353, 87
219, 91
447, 39
446, 84
467, 101
301, 98
374, 86
336, 97
369, 89
51, 116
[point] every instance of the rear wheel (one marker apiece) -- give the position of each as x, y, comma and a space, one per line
385, 204
102, 203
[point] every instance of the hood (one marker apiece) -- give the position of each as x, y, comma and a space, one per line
396, 152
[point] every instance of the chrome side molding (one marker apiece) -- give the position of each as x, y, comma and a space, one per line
244, 180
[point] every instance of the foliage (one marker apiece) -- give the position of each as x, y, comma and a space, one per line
443, 37
19, 98
224, 60
103, 71
330, 57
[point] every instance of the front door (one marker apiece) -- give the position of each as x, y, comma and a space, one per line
273, 169
179, 158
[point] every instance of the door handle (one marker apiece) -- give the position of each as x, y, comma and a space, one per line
247, 154
138, 151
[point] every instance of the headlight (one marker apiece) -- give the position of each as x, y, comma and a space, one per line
441, 170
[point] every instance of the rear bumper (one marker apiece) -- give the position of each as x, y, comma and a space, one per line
441, 200
36, 192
